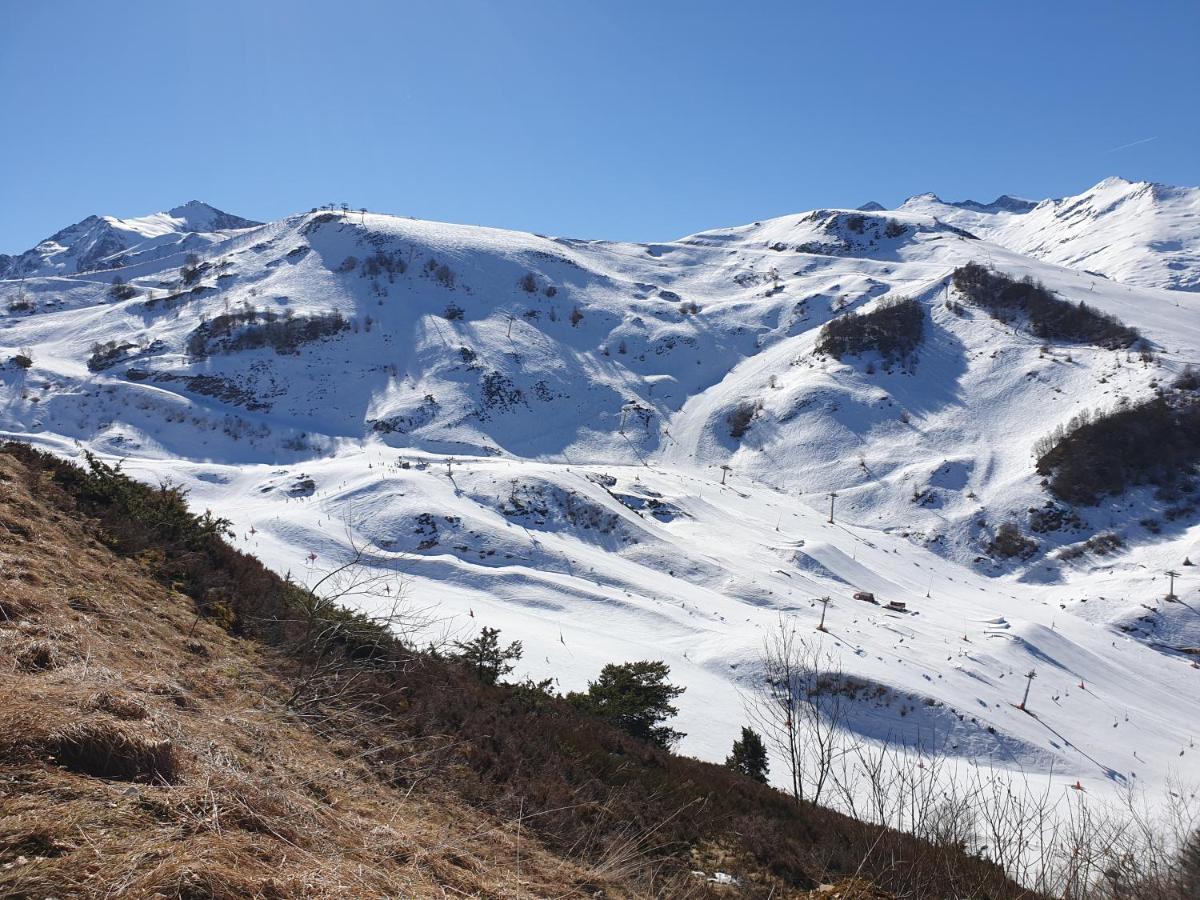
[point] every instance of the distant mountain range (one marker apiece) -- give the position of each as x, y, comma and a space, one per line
1130, 231
106, 242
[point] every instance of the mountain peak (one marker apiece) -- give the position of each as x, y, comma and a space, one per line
196, 215
1003, 203
194, 206
1114, 181
108, 242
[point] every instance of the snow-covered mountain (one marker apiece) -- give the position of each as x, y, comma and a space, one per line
1137, 233
622, 451
106, 242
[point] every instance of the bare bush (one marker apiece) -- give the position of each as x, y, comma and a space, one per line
799, 703
355, 625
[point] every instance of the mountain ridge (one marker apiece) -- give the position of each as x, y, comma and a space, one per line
108, 242
1135, 232
627, 450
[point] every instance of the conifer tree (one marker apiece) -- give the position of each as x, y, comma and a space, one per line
486, 658
749, 756
635, 697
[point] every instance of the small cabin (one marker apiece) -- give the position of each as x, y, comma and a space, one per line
866, 597
897, 606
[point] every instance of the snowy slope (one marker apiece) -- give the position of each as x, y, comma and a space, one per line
1137, 233
535, 428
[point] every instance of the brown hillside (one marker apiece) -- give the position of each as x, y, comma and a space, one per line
143, 753
153, 742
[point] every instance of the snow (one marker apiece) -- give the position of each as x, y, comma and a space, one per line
1138, 233
582, 510
106, 242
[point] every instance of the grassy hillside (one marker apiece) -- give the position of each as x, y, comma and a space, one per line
178, 721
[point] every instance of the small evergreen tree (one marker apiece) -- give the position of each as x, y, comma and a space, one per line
486, 658
749, 756
636, 697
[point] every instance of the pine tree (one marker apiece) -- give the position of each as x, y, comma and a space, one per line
486, 658
749, 756
636, 697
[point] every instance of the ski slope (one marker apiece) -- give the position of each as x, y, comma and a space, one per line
534, 432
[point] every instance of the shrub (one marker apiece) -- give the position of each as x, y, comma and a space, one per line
1188, 380
576, 316
21, 361
107, 355
1104, 543
380, 263
740, 417
1049, 317
1156, 442
528, 283
894, 330
21, 303
453, 312
1010, 542
250, 330
120, 290
190, 271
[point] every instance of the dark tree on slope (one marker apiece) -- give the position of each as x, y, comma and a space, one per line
120, 290
749, 756
190, 271
249, 330
1188, 380
486, 658
1010, 542
894, 330
1050, 317
1156, 442
740, 418
635, 697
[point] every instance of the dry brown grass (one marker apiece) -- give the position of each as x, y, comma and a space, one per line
144, 754
157, 754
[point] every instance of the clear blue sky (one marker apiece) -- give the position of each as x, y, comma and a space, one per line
607, 118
